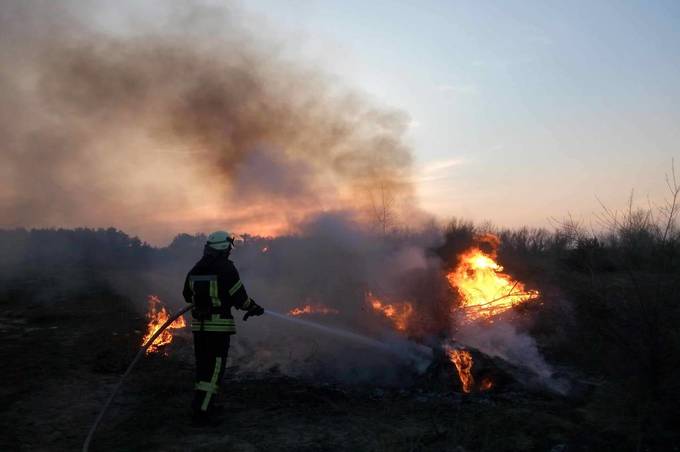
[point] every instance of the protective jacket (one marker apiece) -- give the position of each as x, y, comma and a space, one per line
213, 285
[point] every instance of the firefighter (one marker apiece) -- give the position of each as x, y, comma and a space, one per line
213, 286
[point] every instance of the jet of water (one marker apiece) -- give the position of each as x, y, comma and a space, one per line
405, 350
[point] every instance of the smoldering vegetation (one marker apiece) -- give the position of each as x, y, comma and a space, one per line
161, 120
333, 261
605, 322
190, 122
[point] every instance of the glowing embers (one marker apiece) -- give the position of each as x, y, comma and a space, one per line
156, 316
485, 384
310, 309
398, 312
484, 289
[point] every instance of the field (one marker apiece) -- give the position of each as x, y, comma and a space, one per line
65, 344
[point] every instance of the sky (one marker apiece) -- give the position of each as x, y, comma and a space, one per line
521, 111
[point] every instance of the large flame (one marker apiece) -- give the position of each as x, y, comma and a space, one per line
484, 289
462, 359
309, 309
398, 313
157, 315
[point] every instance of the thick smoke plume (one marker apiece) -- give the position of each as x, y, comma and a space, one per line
187, 121
182, 122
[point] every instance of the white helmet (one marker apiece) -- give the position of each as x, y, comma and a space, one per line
220, 240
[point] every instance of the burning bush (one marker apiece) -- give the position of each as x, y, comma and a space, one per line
484, 289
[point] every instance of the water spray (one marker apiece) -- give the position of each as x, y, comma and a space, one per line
416, 353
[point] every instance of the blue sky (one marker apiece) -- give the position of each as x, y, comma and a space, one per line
521, 110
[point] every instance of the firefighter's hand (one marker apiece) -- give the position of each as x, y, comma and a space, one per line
254, 310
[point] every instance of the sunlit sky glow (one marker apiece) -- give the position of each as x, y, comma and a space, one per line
521, 110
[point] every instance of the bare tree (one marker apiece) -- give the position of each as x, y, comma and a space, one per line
670, 209
383, 203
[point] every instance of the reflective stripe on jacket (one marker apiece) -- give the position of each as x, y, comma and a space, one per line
213, 285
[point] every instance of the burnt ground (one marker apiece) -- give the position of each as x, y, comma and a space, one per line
63, 356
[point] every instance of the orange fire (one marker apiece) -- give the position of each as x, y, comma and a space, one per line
462, 359
398, 313
484, 289
157, 315
485, 384
312, 309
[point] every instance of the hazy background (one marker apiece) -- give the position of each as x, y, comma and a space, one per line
513, 112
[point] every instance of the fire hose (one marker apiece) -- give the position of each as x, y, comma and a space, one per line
138, 356
419, 352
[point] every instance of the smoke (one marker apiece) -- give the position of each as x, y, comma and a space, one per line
190, 121
333, 260
182, 119
503, 339
187, 121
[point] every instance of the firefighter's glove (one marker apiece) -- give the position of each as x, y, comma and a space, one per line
253, 310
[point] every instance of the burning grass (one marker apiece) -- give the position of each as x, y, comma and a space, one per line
156, 316
398, 312
518, 419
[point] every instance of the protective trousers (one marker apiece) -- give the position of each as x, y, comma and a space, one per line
211, 349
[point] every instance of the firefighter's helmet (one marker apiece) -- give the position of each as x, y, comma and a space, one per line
220, 240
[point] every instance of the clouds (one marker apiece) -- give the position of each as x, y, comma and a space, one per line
437, 170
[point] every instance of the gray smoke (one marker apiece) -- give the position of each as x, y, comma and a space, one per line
503, 339
332, 261
179, 118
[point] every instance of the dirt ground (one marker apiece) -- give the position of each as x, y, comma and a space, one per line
62, 358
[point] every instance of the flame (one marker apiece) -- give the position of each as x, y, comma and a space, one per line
312, 309
462, 359
484, 289
157, 315
398, 313
486, 384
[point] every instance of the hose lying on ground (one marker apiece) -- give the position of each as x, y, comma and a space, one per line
140, 353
